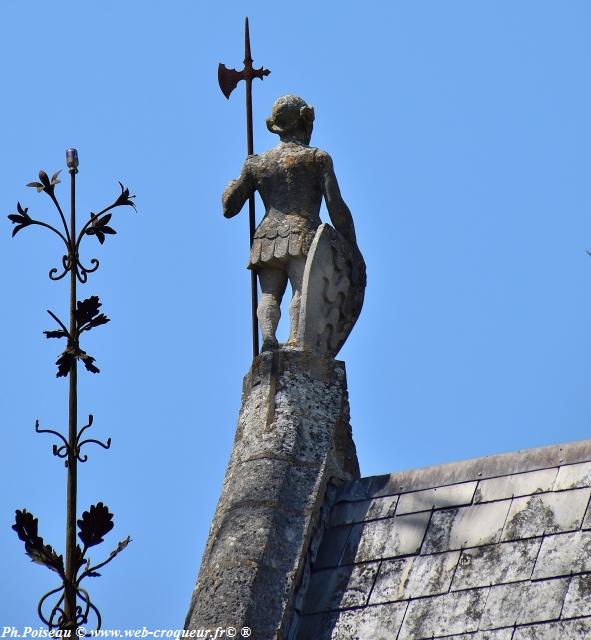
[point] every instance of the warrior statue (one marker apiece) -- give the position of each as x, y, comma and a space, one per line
291, 179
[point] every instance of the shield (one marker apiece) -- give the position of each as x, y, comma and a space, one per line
333, 288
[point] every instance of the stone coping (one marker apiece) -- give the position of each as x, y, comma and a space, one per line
467, 470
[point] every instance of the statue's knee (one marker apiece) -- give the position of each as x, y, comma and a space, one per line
269, 300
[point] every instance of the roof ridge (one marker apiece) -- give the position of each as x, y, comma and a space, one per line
502, 464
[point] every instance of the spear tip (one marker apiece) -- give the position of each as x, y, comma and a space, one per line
247, 56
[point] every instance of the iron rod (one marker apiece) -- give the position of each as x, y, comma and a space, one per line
251, 215
70, 591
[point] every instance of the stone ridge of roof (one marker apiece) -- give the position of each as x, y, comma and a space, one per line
482, 468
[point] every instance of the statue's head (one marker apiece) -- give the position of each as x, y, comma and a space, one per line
291, 119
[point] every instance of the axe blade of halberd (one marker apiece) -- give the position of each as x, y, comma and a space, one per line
228, 79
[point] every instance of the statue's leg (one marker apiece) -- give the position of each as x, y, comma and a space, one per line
295, 272
273, 283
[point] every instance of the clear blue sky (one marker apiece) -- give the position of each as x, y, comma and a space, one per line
461, 137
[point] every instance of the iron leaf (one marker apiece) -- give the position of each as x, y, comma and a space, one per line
26, 527
59, 333
88, 316
87, 309
96, 322
94, 524
89, 362
64, 363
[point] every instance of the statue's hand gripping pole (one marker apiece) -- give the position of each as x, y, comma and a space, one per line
228, 80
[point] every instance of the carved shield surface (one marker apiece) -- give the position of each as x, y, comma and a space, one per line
333, 288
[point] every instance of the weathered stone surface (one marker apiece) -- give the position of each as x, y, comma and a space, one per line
349, 512
437, 498
566, 630
279, 490
578, 599
451, 613
519, 484
563, 554
292, 439
414, 577
341, 588
546, 513
466, 526
387, 538
332, 292
496, 564
524, 603
573, 476
587, 518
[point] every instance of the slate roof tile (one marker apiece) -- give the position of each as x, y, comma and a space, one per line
350, 512
519, 484
388, 538
452, 496
587, 519
414, 577
578, 599
564, 554
573, 476
341, 588
524, 602
451, 613
546, 513
466, 526
498, 634
381, 622
331, 547
496, 564
568, 630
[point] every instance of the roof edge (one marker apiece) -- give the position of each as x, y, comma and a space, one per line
492, 466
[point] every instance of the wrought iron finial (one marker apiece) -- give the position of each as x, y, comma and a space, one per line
72, 605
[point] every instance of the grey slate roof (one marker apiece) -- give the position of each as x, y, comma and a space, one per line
496, 548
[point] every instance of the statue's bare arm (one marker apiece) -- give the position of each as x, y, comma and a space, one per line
338, 211
237, 192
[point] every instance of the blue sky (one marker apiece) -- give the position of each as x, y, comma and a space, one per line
461, 138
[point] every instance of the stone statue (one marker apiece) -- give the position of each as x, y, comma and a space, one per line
324, 268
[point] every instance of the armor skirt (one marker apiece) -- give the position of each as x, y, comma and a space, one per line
277, 239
